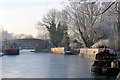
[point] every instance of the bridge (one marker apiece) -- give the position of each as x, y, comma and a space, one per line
29, 43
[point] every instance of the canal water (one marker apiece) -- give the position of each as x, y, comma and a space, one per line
46, 65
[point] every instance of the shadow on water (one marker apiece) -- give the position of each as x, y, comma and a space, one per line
11, 55
105, 76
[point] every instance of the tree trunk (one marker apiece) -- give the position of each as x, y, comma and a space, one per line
118, 26
84, 40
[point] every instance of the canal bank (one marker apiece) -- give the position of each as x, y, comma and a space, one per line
1, 65
118, 76
1, 54
83, 52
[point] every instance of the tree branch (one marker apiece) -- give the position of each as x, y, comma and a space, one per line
104, 10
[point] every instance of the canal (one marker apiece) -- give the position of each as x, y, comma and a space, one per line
46, 65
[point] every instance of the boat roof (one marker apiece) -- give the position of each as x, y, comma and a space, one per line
107, 51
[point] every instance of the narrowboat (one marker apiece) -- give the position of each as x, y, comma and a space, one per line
72, 52
11, 51
63, 50
106, 61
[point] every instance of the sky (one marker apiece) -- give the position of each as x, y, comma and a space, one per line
20, 16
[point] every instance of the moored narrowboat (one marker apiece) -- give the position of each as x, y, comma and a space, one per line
11, 51
106, 61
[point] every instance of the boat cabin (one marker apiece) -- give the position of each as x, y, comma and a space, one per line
105, 60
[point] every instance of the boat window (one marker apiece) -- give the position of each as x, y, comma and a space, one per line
102, 63
99, 57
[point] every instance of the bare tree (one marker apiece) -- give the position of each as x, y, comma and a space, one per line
21, 36
55, 23
81, 20
116, 5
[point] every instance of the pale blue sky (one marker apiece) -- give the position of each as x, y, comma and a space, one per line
20, 16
